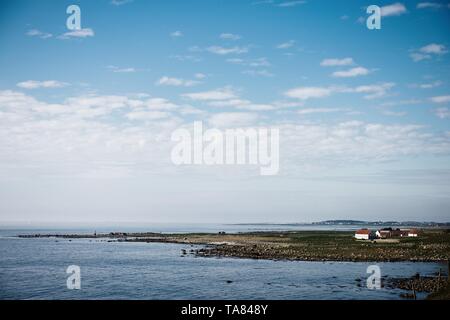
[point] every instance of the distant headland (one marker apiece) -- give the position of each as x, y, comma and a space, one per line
419, 224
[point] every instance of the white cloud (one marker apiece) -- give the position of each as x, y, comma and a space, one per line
16, 101
442, 113
218, 94
394, 113
125, 70
82, 33
428, 51
401, 103
236, 60
224, 51
232, 119
176, 82
242, 105
88, 107
373, 91
429, 5
354, 72
229, 103
319, 110
147, 115
305, 93
440, 99
262, 2
195, 49
120, 2
122, 70
33, 84
430, 85
336, 62
259, 62
287, 104
352, 142
256, 107
288, 4
39, 34
189, 110
160, 103
258, 73
200, 75
176, 34
395, 9
112, 101
253, 63
434, 48
75, 137
230, 36
185, 57
82, 143
286, 45
416, 57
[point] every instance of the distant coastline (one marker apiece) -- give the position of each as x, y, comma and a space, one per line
424, 224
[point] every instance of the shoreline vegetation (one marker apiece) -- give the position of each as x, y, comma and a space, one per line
433, 245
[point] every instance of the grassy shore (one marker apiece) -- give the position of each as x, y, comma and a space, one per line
432, 245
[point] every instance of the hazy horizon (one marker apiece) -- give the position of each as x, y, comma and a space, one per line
148, 224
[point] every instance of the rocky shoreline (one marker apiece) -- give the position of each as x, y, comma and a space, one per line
268, 252
418, 283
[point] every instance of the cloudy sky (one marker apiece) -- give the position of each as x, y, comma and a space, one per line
86, 115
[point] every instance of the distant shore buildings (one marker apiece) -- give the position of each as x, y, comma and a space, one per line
385, 233
363, 234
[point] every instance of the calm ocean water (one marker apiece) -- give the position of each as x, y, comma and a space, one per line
36, 269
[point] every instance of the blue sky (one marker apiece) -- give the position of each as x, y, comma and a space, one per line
363, 114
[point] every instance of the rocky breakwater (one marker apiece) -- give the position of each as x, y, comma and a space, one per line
124, 236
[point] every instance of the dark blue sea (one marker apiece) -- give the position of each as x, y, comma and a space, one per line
36, 269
